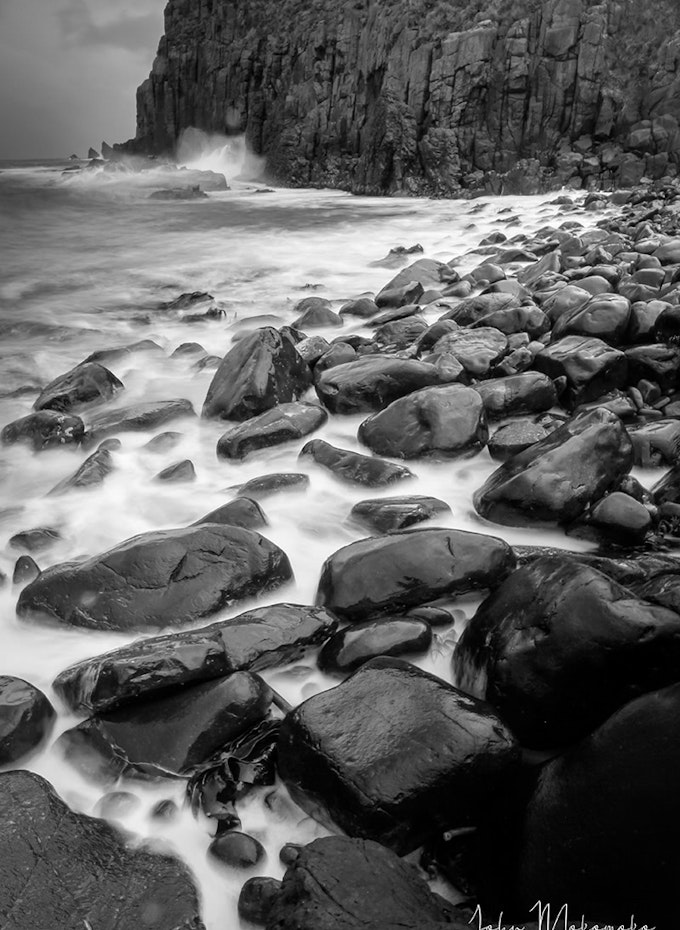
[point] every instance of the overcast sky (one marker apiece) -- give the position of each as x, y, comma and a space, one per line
69, 70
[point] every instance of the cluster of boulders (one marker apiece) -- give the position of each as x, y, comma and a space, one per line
547, 772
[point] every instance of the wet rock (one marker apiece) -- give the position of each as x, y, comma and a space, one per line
256, 899
62, 869
158, 579
139, 417
436, 421
667, 325
117, 804
354, 467
591, 367
240, 512
94, 470
110, 445
515, 437
400, 334
656, 444
26, 717
530, 392
605, 845
187, 301
384, 514
167, 734
284, 423
163, 442
46, 429
616, 520
261, 371
605, 316
477, 350
187, 349
257, 639
276, 483
363, 307
347, 650
25, 570
394, 754
557, 478
374, 381
388, 574
237, 850
191, 192
312, 348
35, 540
657, 363
121, 352
86, 384
643, 317
166, 810
179, 472
315, 313
559, 646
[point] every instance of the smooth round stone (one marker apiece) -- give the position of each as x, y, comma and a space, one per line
435, 616
383, 514
515, 437
237, 850
266, 485
166, 809
180, 471
34, 540
289, 853
26, 570
26, 717
347, 650
163, 442
116, 804
256, 899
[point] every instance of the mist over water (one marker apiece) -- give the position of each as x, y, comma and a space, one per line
87, 259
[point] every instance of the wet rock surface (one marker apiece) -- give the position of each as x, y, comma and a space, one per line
138, 417
46, 429
26, 718
383, 514
284, 423
86, 384
353, 467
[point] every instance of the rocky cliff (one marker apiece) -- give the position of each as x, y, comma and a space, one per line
423, 96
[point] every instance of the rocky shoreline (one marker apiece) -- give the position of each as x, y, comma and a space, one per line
543, 767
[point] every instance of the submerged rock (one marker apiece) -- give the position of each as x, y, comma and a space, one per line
139, 417
35, 540
383, 514
46, 429
237, 850
277, 483
354, 467
26, 717
86, 384
158, 579
284, 423
240, 512
94, 470
179, 472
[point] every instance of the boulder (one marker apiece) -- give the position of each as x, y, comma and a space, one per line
177, 473
262, 370
257, 639
388, 574
354, 467
473, 310
372, 382
86, 384
616, 520
46, 429
35, 540
605, 316
163, 442
400, 334
315, 313
26, 717
94, 470
477, 350
139, 417
394, 754
363, 307
515, 437
284, 423
529, 392
557, 478
276, 483
118, 353
158, 579
591, 367
25, 569
383, 514
659, 363
656, 444
240, 512
62, 869
559, 646
437, 421
237, 850
350, 648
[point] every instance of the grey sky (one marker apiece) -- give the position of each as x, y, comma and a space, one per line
69, 70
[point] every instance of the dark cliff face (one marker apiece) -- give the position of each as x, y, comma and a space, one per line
421, 96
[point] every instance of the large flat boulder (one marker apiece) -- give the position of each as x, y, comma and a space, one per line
158, 579
592, 368
86, 384
284, 423
59, 869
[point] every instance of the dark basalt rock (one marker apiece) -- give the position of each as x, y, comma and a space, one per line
394, 754
315, 312
529, 392
164, 442
159, 579
591, 367
254, 640
25, 570
237, 850
437, 421
341, 353
515, 437
599, 832
372, 382
86, 384
35, 540
62, 869
257, 898
656, 444
477, 350
667, 325
338, 883
473, 310
400, 334
347, 650
180, 471
46, 429
605, 316
285, 423
26, 717
616, 520
384, 514
556, 479
354, 467
559, 646
240, 512
388, 574
659, 363
171, 734
262, 370
94, 470
312, 348
363, 307
276, 483
120, 352
139, 417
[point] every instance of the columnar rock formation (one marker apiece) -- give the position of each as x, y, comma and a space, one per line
422, 96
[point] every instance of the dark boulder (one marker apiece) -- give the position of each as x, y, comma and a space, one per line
388, 574
86, 384
256, 899
656, 444
384, 514
348, 649
139, 417
26, 717
473, 310
315, 313
591, 367
400, 334
159, 579
94, 470
557, 478
35, 540
46, 429
437, 421
284, 423
363, 307
64, 870
340, 353
262, 370
119, 353
237, 850
372, 382
394, 754
354, 467
170, 734
256, 639
529, 392
616, 520
276, 483
312, 348
163, 442
659, 363
240, 512
25, 570
604, 316
177, 472
477, 350
515, 437
559, 646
